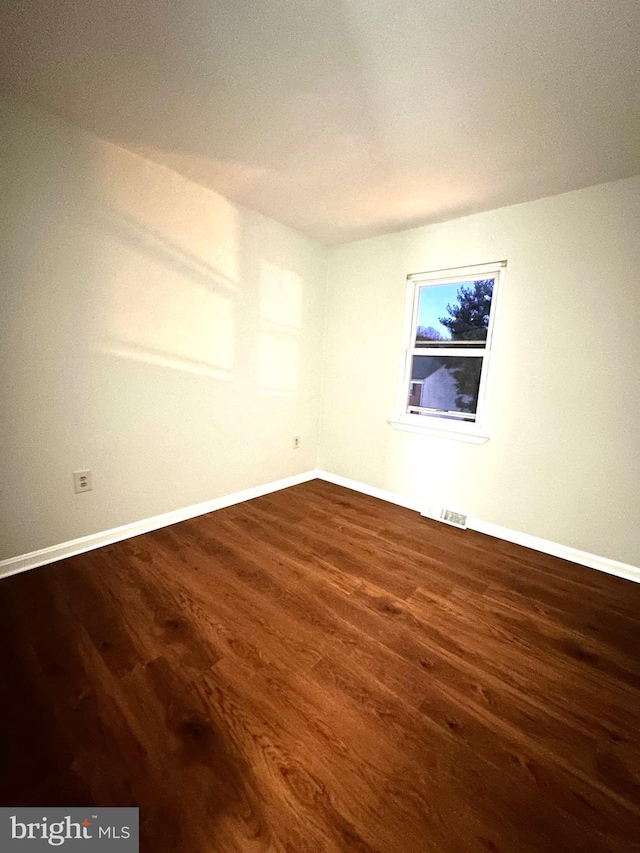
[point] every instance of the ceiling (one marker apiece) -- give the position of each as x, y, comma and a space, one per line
345, 118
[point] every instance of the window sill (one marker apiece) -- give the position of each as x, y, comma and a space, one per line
472, 436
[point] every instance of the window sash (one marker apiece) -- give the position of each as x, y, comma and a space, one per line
457, 280
481, 349
423, 410
449, 344
452, 352
415, 286
432, 410
455, 275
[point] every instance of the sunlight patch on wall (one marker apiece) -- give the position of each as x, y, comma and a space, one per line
280, 308
280, 295
169, 266
198, 221
155, 314
148, 356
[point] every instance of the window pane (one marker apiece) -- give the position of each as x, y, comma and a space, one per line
446, 383
454, 312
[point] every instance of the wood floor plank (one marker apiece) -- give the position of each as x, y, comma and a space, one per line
316, 670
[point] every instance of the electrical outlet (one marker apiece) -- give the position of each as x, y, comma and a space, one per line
82, 481
296, 442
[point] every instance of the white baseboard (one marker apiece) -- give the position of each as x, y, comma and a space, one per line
574, 555
34, 559
372, 491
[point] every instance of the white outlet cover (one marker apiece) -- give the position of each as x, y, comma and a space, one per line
82, 481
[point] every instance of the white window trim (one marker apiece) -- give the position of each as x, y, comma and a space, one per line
477, 431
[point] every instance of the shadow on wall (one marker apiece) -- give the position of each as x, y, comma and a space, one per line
166, 306
151, 331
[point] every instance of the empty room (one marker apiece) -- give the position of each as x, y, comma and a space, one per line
320, 404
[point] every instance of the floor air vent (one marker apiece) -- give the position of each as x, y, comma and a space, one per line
449, 516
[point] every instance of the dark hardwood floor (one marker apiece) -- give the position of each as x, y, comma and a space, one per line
316, 670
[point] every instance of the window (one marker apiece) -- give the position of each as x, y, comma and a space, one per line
449, 329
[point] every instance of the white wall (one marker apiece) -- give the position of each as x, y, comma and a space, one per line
172, 342
149, 330
562, 462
